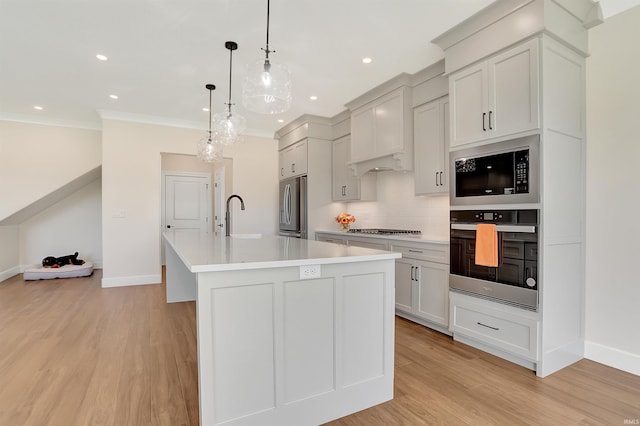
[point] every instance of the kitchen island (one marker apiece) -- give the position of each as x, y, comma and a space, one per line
290, 331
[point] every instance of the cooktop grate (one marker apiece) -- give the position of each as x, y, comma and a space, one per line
383, 231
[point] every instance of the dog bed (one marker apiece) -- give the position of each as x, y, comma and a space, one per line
66, 271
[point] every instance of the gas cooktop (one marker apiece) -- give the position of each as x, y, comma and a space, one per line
382, 231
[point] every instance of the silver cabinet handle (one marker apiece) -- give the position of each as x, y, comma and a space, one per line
415, 251
488, 326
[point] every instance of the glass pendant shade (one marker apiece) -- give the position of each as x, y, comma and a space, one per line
208, 150
228, 128
267, 88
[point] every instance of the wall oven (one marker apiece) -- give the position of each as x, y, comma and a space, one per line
498, 173
514, 280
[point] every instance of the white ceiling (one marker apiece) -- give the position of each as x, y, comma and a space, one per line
163, 52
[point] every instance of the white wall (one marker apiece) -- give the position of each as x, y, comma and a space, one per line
38, 159
613, 192
131, 183
397, 206
9, 255
73, 224
255, 179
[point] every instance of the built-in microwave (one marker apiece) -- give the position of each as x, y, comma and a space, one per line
499, 173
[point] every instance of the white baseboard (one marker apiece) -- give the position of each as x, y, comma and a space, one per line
625, 361
5, 275
129, 281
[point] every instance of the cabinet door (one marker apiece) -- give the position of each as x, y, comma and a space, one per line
286, 161
468, 93
428, 125
513, 96
298, 164
345, 185
362, 133
433, 292
282, 164
389, 124
444, 183
404, 284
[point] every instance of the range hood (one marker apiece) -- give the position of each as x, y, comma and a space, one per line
399, 161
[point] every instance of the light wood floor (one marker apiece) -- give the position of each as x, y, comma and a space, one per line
72, 353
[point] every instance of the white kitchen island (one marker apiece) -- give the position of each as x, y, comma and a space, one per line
290, 331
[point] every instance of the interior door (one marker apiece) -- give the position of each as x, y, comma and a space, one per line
187, 202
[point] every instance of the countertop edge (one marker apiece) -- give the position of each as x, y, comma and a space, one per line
292, 263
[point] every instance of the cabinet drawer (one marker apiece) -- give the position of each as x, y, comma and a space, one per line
327, 238
499, 328
438, 253
371, 243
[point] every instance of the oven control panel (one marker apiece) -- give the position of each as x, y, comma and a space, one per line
514, 217
488, 216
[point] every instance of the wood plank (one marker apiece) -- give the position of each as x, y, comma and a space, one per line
72, 352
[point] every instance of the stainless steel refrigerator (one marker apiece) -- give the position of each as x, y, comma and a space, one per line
293, 207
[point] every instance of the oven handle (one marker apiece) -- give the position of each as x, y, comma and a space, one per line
527, 229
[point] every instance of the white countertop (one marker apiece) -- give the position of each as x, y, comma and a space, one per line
417, 238
208, 252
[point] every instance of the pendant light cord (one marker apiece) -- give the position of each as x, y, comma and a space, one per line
210, 114
266, 50
230, 67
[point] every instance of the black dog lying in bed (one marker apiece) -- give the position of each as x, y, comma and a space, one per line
57, 262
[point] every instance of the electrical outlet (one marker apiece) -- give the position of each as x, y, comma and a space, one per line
309, 271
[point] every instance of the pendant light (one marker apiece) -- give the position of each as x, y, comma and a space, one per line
208, 149
267, 86
229, 127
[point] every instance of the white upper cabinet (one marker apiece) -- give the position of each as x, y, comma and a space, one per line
346, 186
496, 97
378, 128
382, 128
293, 160
431, 147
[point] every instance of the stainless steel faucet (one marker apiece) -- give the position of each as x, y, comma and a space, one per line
227, 216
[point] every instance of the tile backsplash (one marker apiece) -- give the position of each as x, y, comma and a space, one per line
398, 207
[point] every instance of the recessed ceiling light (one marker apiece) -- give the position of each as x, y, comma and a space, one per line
280, 120
101, 57
313, 97
113, 96
366, 60
38, 107
205, 109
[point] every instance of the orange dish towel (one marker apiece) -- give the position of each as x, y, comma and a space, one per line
486, 245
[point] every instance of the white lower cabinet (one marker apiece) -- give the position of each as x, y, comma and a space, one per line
422, 283
511, 330
421, 275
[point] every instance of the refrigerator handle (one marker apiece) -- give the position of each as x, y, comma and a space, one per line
303, 207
